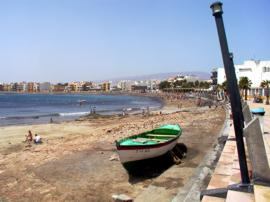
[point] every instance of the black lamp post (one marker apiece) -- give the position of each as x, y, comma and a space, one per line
233, 91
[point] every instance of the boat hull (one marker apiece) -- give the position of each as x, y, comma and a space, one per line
137, 153
149, 167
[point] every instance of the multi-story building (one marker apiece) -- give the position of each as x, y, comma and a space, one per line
125, 85
30, 87
20, 87
106, 86
139, 88
45, 87
86, 86
25, 86
13, 87
152, 85
79, 86
7, 87
71, 87
256, 71
58, 88
1, 87
36, 87
214, 77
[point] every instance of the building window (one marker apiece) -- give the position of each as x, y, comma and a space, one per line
260, 91
266, 69
245, 70
253, 92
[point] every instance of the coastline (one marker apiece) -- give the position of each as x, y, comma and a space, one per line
7, 138
78, 153
155, 103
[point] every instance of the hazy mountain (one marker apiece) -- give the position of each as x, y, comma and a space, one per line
162, 76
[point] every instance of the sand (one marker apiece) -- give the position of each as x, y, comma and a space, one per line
73, 163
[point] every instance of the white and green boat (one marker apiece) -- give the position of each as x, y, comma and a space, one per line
148, 145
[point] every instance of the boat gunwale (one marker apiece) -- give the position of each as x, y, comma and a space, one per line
134, 147
157, 145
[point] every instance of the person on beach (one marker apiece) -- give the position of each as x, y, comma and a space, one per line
199, 102
91, 110
143, 112
37, 139
148, 110
29, 137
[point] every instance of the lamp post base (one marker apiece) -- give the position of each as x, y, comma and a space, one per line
222, 192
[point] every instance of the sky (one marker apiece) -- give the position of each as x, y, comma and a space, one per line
86, 40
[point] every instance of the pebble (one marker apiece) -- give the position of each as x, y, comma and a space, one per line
121, 198
45, 191
114, 157
12, 184
28, 190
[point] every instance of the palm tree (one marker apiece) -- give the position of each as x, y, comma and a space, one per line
221, 88
265, 84
164, 84
245, 84
224, 85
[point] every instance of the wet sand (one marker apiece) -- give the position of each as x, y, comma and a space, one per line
73, 163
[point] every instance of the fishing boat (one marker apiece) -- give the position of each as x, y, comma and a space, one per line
148, 145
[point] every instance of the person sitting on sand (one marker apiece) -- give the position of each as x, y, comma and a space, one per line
37, 139
29, 137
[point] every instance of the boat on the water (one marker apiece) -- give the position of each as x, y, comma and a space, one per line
82, 102
148, 145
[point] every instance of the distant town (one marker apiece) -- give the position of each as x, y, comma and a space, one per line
255, 71
106, 86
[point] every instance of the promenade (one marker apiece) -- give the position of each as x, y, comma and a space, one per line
227, 171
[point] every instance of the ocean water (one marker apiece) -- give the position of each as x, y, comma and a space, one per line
16, 109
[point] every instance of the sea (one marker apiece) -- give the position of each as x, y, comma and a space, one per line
20, 109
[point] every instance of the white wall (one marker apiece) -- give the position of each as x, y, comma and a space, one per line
254, 70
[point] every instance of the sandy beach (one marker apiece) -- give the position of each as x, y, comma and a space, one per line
78, 162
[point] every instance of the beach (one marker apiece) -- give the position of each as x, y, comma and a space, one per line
78, 161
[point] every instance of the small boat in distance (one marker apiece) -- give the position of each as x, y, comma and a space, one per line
82, 101
148, 145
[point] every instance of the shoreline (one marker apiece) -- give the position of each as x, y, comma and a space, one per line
89, 117
44, 119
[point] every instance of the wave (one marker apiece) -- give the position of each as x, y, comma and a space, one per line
74, 113
30, 116
68, 114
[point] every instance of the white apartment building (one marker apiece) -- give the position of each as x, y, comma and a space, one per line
125, 85
45, 87
152, 84
188, 78
23, 86
255, 70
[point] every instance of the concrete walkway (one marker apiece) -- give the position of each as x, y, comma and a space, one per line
227, 171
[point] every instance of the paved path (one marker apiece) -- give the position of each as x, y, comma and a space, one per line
227, 171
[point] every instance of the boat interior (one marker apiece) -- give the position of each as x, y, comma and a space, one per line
153, 137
